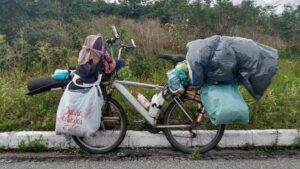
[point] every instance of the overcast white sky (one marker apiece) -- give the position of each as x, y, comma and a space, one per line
280, 3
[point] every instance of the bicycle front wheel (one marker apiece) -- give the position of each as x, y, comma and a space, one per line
111, 132
201, 136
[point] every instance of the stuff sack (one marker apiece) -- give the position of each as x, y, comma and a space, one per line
79, 111
224, 103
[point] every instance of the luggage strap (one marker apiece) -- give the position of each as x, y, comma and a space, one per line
213, 49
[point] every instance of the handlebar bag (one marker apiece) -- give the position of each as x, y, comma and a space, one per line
79, 111
224, 103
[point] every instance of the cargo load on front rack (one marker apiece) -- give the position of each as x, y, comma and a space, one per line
221, 58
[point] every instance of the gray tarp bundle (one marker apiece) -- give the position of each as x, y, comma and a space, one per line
221, 58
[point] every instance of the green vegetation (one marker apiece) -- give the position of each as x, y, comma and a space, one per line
297, 143
35, 145
196, 154
80, 152
37, 37
248, 147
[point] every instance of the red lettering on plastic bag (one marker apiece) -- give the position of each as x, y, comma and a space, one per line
72, 116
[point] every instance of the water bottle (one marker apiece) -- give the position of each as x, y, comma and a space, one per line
156, 104
142, 99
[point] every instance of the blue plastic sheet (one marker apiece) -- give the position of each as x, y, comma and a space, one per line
224, 103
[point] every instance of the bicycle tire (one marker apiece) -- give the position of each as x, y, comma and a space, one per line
219, 131
82, 142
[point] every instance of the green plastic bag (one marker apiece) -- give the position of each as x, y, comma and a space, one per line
224, 103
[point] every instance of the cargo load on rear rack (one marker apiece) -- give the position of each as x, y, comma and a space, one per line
221, 58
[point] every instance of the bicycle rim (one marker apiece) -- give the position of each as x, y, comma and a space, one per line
202, 136
111, 132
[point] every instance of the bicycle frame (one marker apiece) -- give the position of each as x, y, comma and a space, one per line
120, 86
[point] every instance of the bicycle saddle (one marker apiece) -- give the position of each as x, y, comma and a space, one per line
173, 58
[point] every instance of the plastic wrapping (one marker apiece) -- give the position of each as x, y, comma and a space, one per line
177, 80
224, 104
221, 58
79, 111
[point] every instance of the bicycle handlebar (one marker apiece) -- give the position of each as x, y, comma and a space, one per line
113, 39
123, 46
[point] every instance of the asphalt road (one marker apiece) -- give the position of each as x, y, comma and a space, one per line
282, 163
153, 158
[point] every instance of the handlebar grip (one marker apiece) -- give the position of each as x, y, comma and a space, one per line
115, 31
123, 46
133, 43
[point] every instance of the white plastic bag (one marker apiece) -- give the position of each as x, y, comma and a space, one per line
79, 111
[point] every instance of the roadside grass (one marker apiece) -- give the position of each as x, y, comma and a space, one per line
272, 148
196, 155
35, 145
248, 147
279, 107
297, 143
80, 152
21, 112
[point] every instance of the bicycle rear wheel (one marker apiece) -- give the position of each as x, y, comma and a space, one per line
111, 132
201, 136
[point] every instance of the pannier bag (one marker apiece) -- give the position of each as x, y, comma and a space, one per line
79, 111
224, 103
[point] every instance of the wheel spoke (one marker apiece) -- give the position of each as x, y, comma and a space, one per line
111, 132
183, 110
203, 135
